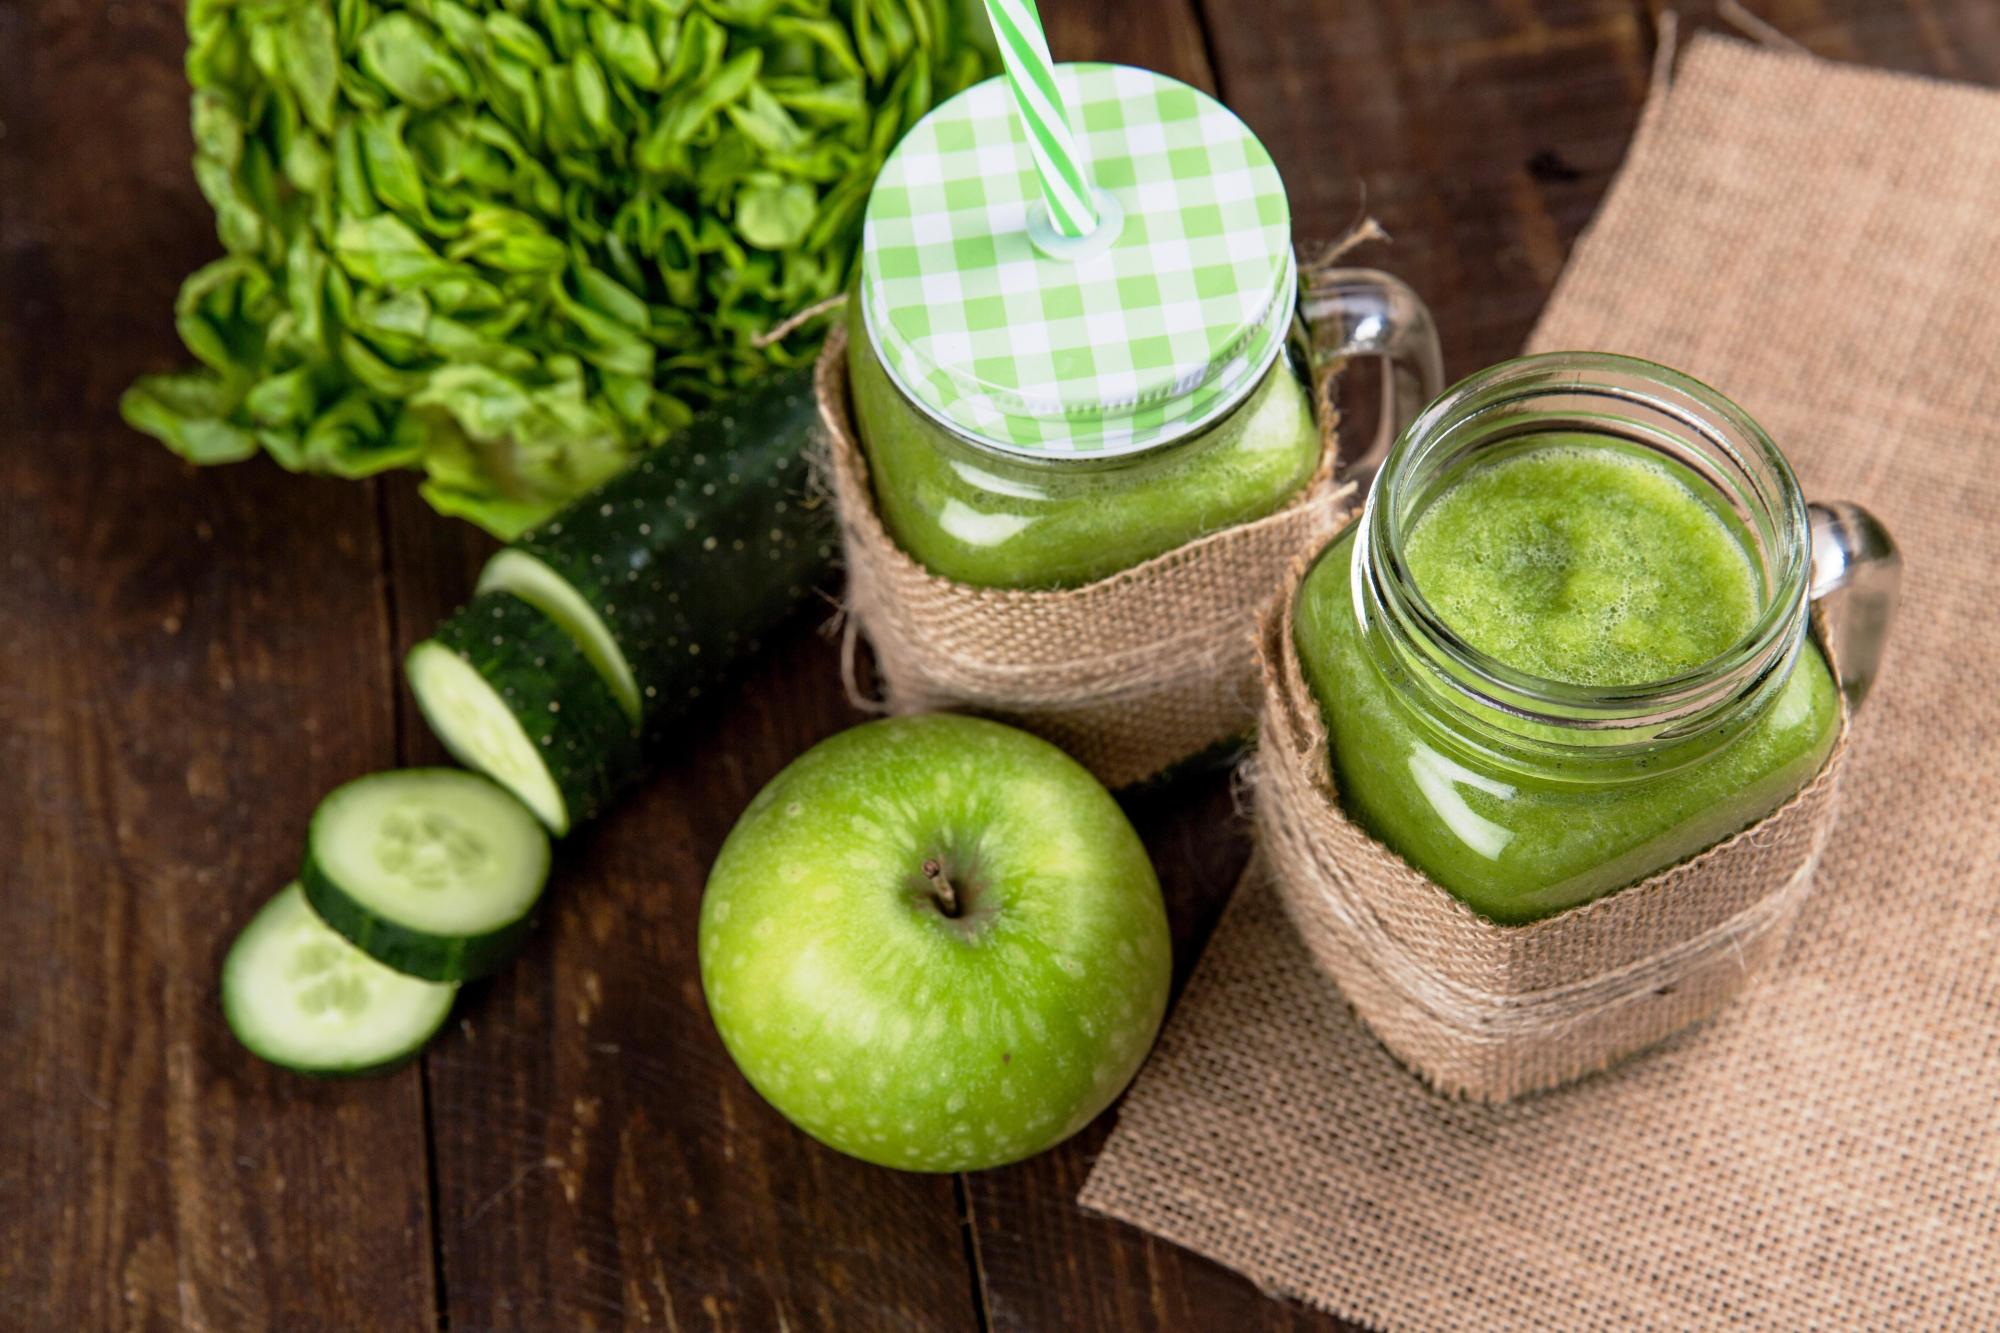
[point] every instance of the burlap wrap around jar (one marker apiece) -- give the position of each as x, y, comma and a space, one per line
1490, 1011
1130, 675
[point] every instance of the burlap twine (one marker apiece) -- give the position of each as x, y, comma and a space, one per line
1822, 243
1130, 674
1490, 1011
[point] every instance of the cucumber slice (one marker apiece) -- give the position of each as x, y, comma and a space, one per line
667, 574
512, 696
433, 871
298, 995
531, 580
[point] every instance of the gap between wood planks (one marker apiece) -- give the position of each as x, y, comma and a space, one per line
400, 730
961, 1189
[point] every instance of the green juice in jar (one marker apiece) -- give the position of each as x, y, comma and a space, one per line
978, 516
1573, 560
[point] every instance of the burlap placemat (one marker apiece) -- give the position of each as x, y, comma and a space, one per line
1822, 243
1130, 675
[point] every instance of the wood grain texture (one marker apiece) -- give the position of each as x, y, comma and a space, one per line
1481, 134
190, 660
187, 662
1954, 39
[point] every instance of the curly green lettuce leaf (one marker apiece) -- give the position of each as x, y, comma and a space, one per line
511, 243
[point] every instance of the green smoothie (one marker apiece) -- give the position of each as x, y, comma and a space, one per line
1581, 563
983, 517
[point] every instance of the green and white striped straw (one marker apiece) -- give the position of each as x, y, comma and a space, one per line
1031, 73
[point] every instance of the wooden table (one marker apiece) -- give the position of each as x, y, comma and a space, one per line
187, 661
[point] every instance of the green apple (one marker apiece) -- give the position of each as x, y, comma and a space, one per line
935, 943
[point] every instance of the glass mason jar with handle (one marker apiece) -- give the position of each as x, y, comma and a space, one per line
1041, 412
1568, 643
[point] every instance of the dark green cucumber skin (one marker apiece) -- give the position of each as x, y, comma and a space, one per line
551, 688
702, 547
414, 953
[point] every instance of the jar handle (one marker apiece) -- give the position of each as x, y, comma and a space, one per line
1857, 574
1352, 312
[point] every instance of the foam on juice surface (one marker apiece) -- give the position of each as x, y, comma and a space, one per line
1577, 562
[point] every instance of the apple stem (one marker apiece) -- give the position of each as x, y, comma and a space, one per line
947, 896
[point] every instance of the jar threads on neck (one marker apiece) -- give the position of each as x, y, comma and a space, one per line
1524, 720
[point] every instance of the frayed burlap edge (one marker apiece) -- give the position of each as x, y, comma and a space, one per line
1489, 1011
1130, 675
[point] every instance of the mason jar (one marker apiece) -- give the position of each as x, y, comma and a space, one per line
1571, 639
1041, 412
989, 517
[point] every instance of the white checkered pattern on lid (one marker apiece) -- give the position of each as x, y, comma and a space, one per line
1106, 354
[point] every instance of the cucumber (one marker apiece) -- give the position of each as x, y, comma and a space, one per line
512, 696
432, 871
299, 995
667, 575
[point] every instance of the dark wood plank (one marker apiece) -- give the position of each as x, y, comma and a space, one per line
1480, 133
1954, 39
188, 662
1163, 35
600, 1162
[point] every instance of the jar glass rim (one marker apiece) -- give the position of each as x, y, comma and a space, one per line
1677, 409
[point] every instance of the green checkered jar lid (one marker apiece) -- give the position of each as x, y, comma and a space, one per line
1040, 345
